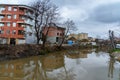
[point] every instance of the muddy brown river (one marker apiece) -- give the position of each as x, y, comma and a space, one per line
67, 65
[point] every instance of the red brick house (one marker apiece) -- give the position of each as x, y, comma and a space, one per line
55, 33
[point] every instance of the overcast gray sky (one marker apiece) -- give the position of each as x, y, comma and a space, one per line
95, 17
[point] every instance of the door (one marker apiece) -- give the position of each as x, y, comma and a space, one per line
12, 41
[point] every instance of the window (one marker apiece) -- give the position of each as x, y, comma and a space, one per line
15, 9
8, 31
21, 9
2, 8
20, 32
8, 24
57, 33
57, 39
14, 16
9, 16
1, 24
23, 26
9, 8
1, 31
60, 34
30, 33
22, 17
1, 17
14, 24
14, 32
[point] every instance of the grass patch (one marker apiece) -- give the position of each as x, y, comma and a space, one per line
116, 50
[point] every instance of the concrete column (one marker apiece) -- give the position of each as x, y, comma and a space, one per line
16, 41
8, 41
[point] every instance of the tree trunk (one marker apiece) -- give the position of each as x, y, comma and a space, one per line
59, 47
37, 41
44, 41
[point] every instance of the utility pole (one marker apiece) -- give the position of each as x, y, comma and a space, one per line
112, 42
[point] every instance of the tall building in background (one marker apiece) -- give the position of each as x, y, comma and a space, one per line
82, 36
15, 20
79, 36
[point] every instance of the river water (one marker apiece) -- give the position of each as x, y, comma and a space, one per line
67, 65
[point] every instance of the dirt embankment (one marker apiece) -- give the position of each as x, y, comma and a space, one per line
18, 51
8, 52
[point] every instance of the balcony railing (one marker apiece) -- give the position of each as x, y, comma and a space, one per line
20, 21
29, 15
20, 12
20, 36
11, 36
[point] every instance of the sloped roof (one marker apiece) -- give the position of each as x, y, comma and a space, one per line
72, 38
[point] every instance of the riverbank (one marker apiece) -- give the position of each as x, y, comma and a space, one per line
10, 52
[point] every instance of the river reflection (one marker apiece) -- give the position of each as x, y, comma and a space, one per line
68, 65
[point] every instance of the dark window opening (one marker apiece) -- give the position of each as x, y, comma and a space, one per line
21, 9
14, 32
8, 31
30, 34
12, 41
57, 38
60, 34
57, 33
0, 32
15, 9
63, 34
20, 32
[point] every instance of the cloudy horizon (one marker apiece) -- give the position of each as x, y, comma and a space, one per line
95, 17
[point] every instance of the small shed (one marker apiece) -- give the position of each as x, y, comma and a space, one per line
72, 39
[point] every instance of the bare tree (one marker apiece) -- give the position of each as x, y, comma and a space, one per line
70, 27
51, 17
44, 13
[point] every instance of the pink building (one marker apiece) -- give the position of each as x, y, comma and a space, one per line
54, 34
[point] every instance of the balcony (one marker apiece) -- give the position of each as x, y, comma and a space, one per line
22, 13
20, 36
3, 19
28, 22
11, 36
20, 28
20, 21
29, 15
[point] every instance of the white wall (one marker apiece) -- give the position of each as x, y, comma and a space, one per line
3, 41
30, 39
21, 41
